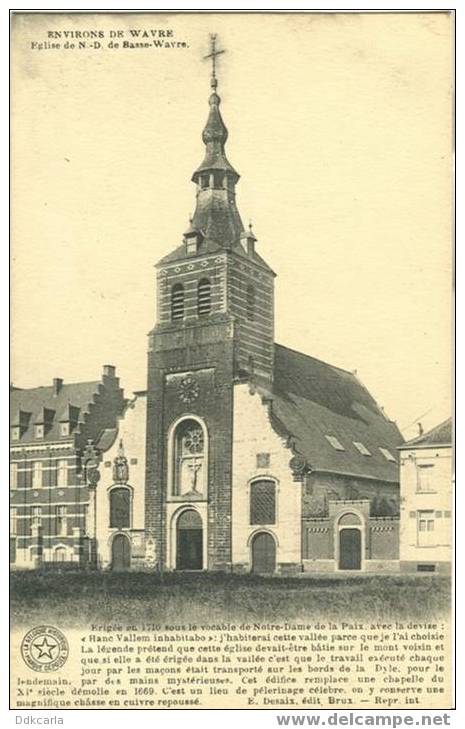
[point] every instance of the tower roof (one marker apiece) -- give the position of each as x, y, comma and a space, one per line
214, 136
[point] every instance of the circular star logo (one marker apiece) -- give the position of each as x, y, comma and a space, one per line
44, 648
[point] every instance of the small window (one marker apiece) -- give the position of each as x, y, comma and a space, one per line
250, 302
37, 516
13, 522
425, 477
15, 433
204, 304
204, 181
64, 429
62, 472
388, 455
218, 177
36, 474
39, 431
60, 521
337, 445
177, 302
361, 448
426, 568
263, 502
263, 460
13, 475
191, 245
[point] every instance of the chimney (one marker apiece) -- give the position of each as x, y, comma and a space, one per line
109, 370
57, 385
420, 429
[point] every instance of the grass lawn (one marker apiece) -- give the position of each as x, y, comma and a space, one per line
79, 598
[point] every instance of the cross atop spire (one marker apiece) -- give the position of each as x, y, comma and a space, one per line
213, 54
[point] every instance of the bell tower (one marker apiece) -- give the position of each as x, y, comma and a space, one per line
214, 327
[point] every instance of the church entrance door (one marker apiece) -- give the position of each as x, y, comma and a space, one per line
189, 541
350, 549
120, 553
263, 554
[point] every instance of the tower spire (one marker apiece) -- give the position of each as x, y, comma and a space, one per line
216, 216
213, 54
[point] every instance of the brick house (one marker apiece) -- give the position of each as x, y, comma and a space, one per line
51, 429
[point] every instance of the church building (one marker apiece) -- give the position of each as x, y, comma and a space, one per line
257, 457
242, 455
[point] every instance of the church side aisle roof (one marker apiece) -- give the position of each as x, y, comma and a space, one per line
312, 400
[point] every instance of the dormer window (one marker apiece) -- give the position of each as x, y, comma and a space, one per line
388, 455
361, 448
177, 302
39, 431
337, 445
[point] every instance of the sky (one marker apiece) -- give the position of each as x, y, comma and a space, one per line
341, 128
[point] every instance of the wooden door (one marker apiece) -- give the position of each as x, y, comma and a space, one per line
189, 541
120, 553
350, 549
263, 554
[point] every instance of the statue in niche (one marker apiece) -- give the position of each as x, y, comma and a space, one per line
120, 466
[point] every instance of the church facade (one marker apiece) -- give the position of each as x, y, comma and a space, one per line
257, 458
241, 455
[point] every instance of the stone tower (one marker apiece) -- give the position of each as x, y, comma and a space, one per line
214, 328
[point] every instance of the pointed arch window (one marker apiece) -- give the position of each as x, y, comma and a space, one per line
204, 302
250, 302
177, 302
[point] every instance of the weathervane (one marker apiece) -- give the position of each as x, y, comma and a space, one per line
213, 54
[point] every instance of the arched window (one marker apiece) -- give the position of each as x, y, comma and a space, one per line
263, 502
120, 508
59, 554
204, 303
177, 302
189, 459
250, 302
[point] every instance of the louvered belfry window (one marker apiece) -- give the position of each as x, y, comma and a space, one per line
204, 301
263, 502
250, 302
177, 302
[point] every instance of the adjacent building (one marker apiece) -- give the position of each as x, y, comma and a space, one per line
51, 431
426, 501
